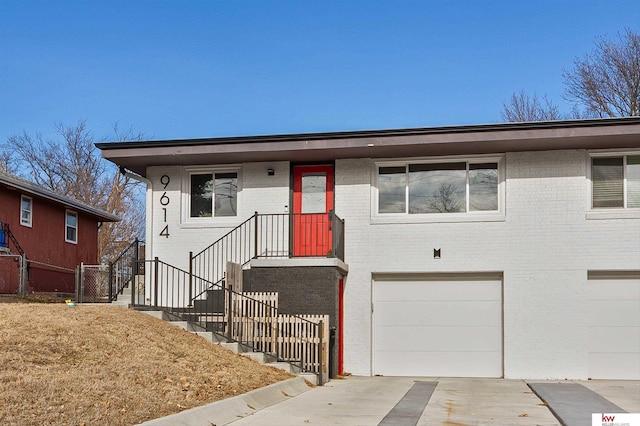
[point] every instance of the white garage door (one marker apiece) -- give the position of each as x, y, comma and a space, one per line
614, 328
447, 328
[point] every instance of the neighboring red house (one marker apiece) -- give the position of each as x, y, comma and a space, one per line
53, 233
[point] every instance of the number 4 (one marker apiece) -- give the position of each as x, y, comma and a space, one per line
165, 231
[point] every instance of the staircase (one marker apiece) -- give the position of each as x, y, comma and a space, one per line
235, 347
258, 331
5, 236
200, 301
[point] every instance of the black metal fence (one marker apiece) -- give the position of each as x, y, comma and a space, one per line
280, 235
105, 283
249, 319
125, 269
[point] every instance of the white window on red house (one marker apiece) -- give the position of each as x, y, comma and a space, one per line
71, 227
26, 210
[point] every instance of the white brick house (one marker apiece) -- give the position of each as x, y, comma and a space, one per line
507, 250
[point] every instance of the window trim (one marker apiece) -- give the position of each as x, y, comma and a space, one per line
186, 196
67, 213
466, 216
589, 174
29, 224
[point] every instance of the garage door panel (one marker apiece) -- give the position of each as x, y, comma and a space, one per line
614, 339
438, 328
614, 313
478, 339
613, 290
472, 313
613, 332
623, 366
435, 290
440, 364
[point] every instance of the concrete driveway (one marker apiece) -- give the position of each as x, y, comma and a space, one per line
451, 401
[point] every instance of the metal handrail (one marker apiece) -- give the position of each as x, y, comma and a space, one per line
269, 236
12, 238
124, 269
223, 311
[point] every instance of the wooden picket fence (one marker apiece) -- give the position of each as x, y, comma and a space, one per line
295, 338
299, 341
254, 319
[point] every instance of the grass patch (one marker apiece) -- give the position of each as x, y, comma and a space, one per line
104, 365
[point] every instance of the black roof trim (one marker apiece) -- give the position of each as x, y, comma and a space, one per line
373, 133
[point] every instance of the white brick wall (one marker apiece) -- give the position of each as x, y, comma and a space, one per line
543, 243
258, 192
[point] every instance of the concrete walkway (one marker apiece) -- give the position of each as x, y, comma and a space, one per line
401, 401
367, 400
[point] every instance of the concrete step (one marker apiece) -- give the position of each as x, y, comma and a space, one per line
310, 377
260, 357
157, 314
235, 347
210, 336
284, 366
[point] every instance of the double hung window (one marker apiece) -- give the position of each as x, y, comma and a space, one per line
443, 187
26, 210
213, 194
71, 227
615, 181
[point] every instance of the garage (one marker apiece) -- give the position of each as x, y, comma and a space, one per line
437, 326
613, 324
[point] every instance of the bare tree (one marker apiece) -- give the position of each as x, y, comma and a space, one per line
521, 107
71, 165
5, 162
446, 199
607, 81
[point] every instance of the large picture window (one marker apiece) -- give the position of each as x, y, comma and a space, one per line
444, 187
213, 194
615, 181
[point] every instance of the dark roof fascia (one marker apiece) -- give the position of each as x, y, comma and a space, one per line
31, 188
476, 128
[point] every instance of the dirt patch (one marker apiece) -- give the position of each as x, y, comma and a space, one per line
104, 365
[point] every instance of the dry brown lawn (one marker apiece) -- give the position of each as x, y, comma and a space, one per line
104, 365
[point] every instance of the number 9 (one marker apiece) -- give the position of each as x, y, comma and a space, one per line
165, 181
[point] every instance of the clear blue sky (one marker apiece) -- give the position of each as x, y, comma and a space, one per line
184, 69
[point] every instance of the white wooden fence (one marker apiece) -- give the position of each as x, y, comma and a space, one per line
294, 338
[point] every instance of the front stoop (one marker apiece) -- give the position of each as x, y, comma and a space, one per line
235, 347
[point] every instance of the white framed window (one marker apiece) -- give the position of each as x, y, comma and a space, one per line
71, 227
615, 181
26, 210
423, 188
211, 193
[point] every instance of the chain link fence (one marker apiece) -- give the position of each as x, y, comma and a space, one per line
12, 274
92, 284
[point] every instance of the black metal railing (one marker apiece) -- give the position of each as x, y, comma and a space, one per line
125, 269
238, 317
237, 246
8, 236
279, 235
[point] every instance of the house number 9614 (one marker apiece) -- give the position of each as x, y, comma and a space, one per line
164, 201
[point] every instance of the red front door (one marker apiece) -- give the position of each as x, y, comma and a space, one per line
312, 202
